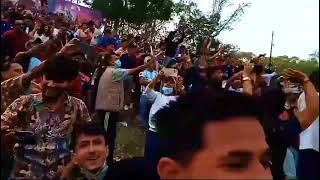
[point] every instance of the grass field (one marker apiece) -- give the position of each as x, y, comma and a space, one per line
130, 139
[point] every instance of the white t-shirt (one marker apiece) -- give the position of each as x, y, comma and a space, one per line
80, 33
42, 37
309, 138
268, 77
95, 36
159, 101
55, 32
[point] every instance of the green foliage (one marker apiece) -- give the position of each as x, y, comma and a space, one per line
306, 66
203, 25
281, 63
135, 11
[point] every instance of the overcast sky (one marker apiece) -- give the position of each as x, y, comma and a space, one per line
295, 22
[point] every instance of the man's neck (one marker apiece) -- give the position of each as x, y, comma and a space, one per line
55, 105
99, 174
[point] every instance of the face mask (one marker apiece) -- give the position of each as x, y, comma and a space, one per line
167, 90
117, 63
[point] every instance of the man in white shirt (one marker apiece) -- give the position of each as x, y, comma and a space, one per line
308, 115
94, 33
145, 77
170, 89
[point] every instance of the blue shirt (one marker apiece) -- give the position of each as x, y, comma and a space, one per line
34, 62
5, 26
106, 41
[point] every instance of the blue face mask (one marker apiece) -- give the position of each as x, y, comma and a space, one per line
117, 63
167, 90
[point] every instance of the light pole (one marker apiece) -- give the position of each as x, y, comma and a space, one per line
270, 58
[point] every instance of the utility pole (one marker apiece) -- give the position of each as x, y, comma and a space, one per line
270, 58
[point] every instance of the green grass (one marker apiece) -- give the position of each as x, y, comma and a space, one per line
130, 140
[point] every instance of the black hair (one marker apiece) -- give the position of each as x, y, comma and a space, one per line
88, 128
213, 69
132, 45
61, 68
90, 23
107, 31
24, 60
5, 65
180, 125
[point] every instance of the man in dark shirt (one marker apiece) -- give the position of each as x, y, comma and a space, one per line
17, 38
172, 42
128, 61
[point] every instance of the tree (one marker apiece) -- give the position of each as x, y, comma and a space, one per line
202, 25
135, 14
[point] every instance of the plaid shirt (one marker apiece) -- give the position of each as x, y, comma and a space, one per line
52, 135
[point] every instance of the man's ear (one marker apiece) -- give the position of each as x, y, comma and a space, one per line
168, 168
107, 150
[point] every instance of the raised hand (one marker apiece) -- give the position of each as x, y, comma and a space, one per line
295, 75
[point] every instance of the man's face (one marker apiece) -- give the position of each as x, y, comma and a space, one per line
132, 50
110, 48
19, 25
169, 82
84, 27
91, 152
152, 66
114, 58
226, 153
28, 22
217, 75
52, 90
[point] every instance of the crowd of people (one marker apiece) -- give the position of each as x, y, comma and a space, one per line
207, 114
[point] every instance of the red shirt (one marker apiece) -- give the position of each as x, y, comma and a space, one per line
17, 40
75, 87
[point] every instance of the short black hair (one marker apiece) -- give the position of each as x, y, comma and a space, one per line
213, 69
61, 68
88, 128
91, 23
108, 31
180, 125
132, 44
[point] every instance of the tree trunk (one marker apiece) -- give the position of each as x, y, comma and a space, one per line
116, 26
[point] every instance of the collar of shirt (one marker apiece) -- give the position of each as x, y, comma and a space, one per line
38, 99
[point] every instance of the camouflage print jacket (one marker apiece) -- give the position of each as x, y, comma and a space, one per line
49, 150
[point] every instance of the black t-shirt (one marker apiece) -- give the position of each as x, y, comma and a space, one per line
172, 46
128, 62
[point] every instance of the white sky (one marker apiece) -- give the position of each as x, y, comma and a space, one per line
295, 22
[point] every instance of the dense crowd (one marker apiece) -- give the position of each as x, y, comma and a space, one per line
207, 114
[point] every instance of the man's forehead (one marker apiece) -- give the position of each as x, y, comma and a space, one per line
235, 133
88, 137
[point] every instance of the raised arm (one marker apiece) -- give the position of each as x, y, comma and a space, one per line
247, 80
311, 112
142, 67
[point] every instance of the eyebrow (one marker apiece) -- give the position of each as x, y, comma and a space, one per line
236, 159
